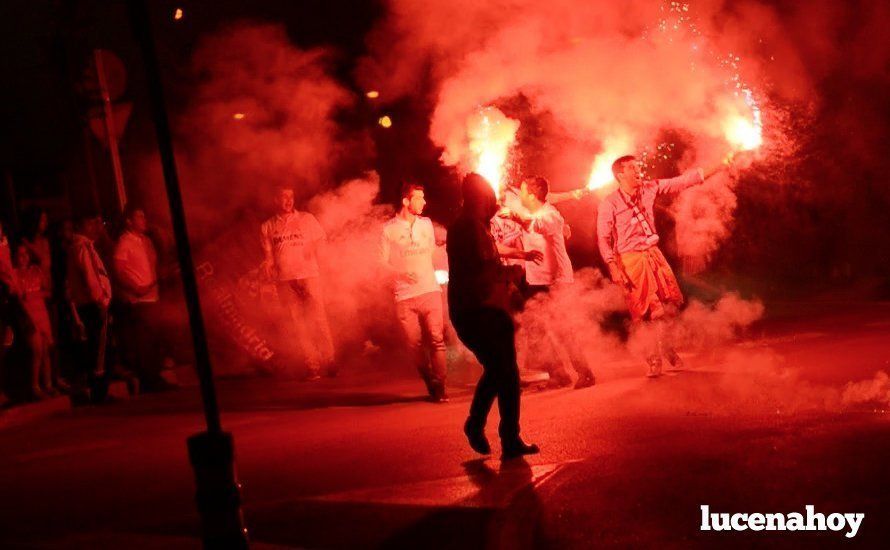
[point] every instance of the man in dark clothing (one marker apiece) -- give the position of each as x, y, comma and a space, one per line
478, 299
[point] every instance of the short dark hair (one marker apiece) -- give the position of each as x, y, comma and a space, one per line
131, 209
81, 218
538, 186
410, 187
618, 165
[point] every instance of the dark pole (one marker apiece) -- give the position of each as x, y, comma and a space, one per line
211, 452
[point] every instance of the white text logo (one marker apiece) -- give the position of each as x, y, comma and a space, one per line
811, 521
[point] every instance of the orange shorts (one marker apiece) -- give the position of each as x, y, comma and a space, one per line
654, 284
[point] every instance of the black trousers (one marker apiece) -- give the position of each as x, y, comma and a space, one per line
489, 334
140, 346
90, 366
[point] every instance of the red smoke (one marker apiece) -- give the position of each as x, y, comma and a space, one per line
624, 71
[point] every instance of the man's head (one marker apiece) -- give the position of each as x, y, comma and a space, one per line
626, 170
22, 257
412, 198
89, 225
533, 192
478, 196
284, 199
134, 218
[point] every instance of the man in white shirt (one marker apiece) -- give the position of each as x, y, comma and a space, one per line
134, 266
406, 254
290, 241
545, 232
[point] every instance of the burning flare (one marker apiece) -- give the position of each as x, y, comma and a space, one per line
491, 135
745, 134
601, 172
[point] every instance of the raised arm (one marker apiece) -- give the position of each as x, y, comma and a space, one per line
680, 183
562, 196
694, 177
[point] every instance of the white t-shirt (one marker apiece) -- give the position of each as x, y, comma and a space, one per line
135, 263
408, 248
508, 233
545, 234
293, 240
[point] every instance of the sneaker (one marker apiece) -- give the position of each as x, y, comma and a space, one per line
559, 381
586, 380
518, 449
654, 363
674, 359
477, 439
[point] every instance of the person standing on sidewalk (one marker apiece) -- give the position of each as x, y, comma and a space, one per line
36, 325
137, 294
478, 298
89, 289
290, 241
406, 253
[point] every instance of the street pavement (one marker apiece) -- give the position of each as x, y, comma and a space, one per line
766, 424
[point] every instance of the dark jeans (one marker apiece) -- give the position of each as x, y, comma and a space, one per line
488, 333
140, 347
90, 353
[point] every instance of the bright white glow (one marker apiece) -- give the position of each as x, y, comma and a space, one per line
491, 135
601, 171
742, 132
442, 276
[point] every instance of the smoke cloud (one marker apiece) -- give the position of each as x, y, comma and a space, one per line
261, 113
595, 73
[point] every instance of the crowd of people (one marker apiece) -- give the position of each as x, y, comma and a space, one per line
504, 251
79, 308
72, 299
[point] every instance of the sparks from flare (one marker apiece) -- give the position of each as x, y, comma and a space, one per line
491, 135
